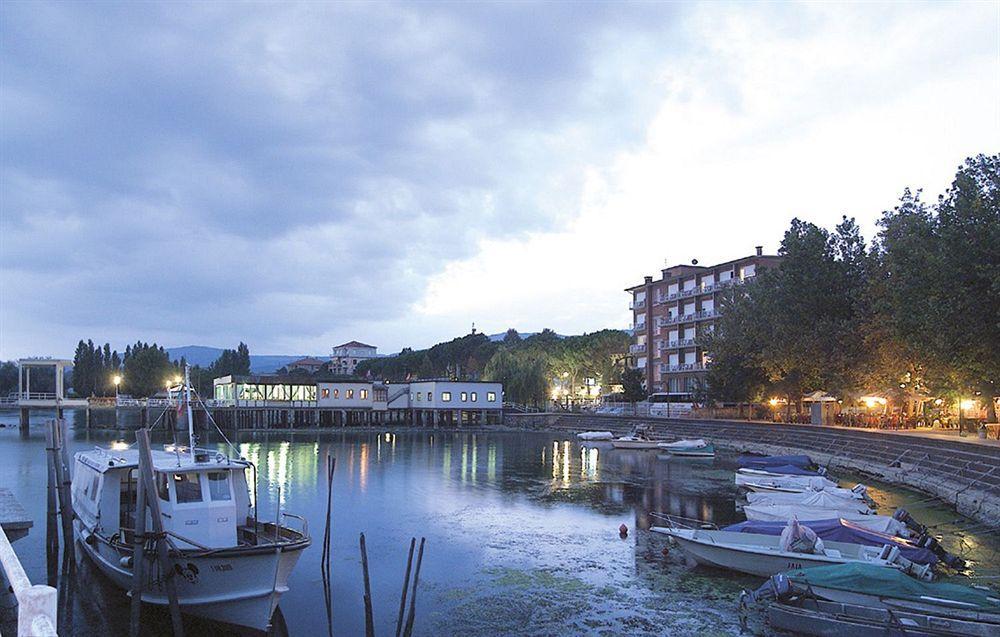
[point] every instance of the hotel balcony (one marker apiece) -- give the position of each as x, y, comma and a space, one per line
682, 367
667, 320
637, 305
677, 344
637, 348
704, 314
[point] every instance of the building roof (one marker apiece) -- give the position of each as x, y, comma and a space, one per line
308, 360
684, 269
356, 344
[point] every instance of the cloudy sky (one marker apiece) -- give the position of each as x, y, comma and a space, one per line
295, 176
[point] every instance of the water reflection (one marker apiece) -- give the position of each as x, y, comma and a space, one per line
521, 527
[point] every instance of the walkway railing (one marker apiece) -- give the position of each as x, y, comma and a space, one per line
36, 612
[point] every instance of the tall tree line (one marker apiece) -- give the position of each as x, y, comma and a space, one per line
917, 309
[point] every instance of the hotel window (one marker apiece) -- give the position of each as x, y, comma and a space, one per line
349, 395
491, 396
419, 397
430, 396
446, 396
465, 397
326, 393
474, 396
364, 394
336, 393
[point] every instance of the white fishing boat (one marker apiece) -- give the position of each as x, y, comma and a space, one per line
746, 477
595, 435
817, 499
229, 565
785, 512
762, 555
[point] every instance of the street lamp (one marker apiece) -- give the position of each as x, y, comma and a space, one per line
117, 380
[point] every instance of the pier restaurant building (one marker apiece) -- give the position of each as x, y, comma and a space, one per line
271, 401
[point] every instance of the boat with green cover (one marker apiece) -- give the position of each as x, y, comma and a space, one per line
873, 586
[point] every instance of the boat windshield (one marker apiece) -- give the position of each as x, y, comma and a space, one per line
187, 486
218, 486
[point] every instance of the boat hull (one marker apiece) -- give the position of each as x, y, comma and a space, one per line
241, 588
706, 451
634, 444
785, 512
833, 619
760, 561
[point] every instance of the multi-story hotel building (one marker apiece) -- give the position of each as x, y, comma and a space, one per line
672, 313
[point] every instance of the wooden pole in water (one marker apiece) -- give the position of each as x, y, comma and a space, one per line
369, 620
51, 522
406, 585
413, 595
138, 558
63, 487
146, 469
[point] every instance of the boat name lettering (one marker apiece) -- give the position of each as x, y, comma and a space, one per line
190, 522
793, 566
222, 567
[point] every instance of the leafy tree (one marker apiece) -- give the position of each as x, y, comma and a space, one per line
633, 385
8, 378
511, 337
147, 368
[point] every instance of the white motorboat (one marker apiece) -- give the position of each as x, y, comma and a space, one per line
817, 499
693, 448
785, 512
595, 435
746, 477
230, 566
858, 491
638, 439
759, 554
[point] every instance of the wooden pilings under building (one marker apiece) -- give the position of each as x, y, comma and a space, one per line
256, 418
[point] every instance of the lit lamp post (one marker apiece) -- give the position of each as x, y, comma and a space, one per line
117, 380
774, 408
963, 405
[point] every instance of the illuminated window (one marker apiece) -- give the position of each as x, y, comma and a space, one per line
336, 393
364, 394
326, 392
491, 396
474, 397
349, 395
465, 397
446, 396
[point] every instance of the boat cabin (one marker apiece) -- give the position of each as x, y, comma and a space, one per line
204, 498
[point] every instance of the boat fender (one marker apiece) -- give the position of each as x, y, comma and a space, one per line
623, 531
125, 562
90, 539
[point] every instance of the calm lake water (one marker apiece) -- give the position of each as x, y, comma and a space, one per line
521, 528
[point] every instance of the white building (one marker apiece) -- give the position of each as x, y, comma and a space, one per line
345, 358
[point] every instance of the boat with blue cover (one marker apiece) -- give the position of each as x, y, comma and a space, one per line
840, 530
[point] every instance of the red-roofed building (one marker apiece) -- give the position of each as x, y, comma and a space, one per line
309, 364
345, 358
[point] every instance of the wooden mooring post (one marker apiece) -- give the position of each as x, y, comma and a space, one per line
52, 505
63, 488
148, 485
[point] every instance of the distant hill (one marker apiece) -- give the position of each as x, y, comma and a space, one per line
205, 356
496, 338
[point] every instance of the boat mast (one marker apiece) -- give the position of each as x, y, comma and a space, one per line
187, 390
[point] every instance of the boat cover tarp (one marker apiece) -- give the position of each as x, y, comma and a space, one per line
685, 444
841, 530
891, 582
787, 470
812, 499
764, 462
823, 498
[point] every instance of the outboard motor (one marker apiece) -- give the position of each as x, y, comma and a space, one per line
920, 571
776, 587
862, 490
908, 520
931, 543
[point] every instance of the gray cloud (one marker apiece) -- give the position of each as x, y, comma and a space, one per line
220, 172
